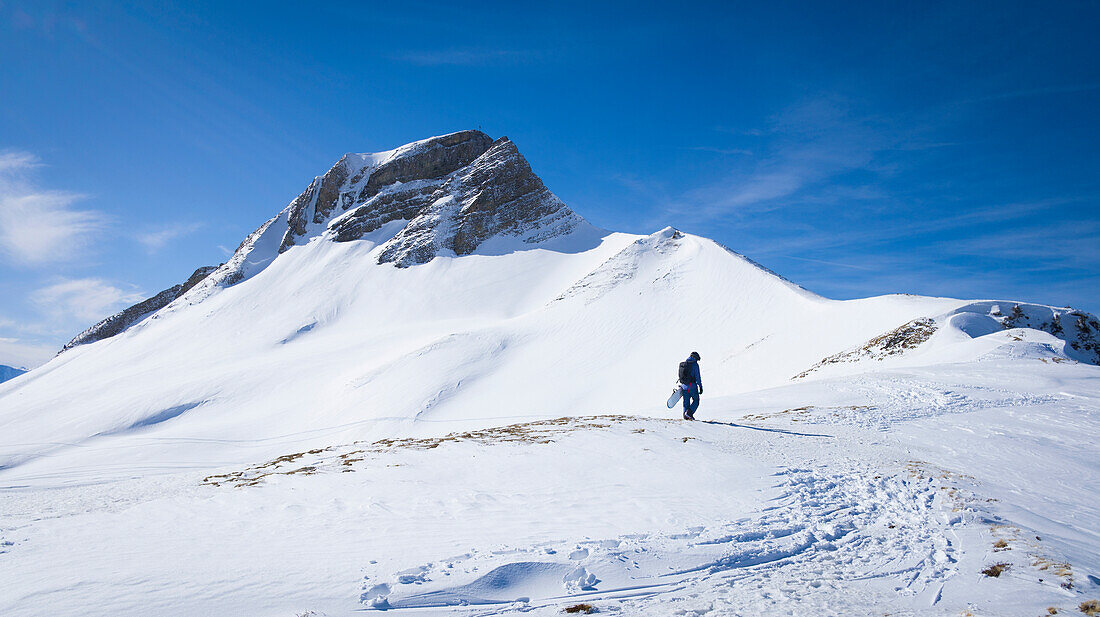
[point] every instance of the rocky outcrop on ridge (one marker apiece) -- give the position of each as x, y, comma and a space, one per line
124, 319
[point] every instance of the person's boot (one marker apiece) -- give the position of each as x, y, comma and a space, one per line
688, 416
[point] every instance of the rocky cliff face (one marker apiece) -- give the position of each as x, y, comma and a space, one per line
408, 177
453, 193
124, 319
497, 194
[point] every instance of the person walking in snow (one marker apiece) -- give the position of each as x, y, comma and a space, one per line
691, 381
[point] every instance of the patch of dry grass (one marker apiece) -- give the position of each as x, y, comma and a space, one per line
995, 570
1061, 569
587, 609
800, 414
540, 432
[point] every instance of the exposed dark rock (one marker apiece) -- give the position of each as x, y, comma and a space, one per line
430, 160
454, 191
398, 205
434, 159
495, 195
905, 337
1080, 330
507, 197
1017, 319
316, 202
124, 319
1088, 337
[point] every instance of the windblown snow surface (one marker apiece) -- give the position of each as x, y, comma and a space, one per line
486, 434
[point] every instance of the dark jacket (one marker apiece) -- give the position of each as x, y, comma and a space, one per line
696, 372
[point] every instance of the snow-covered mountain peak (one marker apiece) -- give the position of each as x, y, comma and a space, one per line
450, 195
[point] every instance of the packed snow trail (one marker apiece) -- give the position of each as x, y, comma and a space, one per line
826, 526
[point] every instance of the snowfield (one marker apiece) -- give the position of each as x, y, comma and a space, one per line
885, 492
477, 426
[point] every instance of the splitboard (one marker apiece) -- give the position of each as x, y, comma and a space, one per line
676, 395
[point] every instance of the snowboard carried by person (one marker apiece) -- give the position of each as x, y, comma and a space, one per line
677, 393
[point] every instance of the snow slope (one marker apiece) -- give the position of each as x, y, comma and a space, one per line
326, 344
888, 492
358, 411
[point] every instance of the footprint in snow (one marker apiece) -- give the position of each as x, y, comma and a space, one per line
579, 579
415, 575
376, 596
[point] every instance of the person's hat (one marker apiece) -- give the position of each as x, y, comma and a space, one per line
695, 354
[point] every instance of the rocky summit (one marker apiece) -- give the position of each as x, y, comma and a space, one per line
455, 191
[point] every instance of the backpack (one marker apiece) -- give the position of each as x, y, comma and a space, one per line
687, 372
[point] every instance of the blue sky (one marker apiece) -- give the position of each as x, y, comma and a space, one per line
855, 148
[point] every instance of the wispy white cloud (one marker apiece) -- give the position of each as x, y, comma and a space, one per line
758, 188
467, 57
1033, 92
17, 161
749, 132
825, 262
82, 301
21, 354
716, 150
808, 146
39, 226
157, 239
1054, 245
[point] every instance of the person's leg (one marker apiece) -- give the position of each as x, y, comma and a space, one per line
691, 401
684, 398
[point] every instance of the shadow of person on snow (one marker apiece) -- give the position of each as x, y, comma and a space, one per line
768, 430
